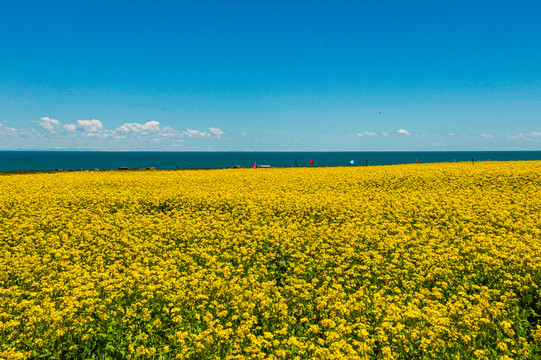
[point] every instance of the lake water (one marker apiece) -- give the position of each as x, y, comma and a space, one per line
75, 160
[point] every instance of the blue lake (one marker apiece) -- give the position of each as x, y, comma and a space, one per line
75, 160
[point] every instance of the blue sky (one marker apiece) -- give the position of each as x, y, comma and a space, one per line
280, 75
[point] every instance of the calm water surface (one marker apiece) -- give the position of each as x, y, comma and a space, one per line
75, 160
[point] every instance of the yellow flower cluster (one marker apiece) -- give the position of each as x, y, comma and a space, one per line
388, 262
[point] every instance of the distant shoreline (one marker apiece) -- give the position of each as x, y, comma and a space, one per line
24, 172
47, 161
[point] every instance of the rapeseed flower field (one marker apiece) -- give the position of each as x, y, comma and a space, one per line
419, 261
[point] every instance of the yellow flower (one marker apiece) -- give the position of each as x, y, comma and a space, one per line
327, 263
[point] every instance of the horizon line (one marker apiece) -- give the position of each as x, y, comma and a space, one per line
258, 151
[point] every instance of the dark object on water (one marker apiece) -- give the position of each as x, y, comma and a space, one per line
472, 161
366, 162
60, 170
237, 167
122, 168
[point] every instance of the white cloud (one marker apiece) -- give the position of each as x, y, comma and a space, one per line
533, 136
520, 136
138, 127
15, 131
515, 137
451, 134
6, 130
436, 143
92, 134
367, 133
98, 134
403, 132
384, 133
90, 125
49, 124
53, 125
195, 133
168, 133
216, 132
486, 136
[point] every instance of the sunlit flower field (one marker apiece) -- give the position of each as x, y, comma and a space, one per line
433, 261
